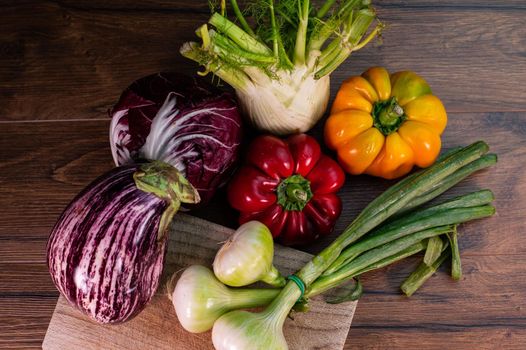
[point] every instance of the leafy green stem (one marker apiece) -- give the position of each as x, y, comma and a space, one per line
241, 18
406, 226
439, 188
433, 250
236, 78
301, 35
330, 53
228, 50
456, 268
350, 41
325, 8
372, 256
275, 31
238, 35
411, 250
388, 204
334, 59
422, 273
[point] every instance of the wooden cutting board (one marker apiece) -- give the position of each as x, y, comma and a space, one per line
195, 241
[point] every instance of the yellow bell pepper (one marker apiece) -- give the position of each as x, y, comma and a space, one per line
383, 124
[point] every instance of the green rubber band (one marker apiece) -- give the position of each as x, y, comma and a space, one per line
299, 283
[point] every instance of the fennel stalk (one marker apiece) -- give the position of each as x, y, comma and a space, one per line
280, 68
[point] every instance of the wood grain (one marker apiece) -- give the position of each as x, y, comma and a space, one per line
87, 53
195, 241
25, 320
79, 152
65, 61
489, 243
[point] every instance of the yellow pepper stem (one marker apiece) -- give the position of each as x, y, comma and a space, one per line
388, 115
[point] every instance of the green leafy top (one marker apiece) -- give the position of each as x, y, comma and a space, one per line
269, 36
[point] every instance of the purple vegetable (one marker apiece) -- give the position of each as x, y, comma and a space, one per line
176, 119
106, 252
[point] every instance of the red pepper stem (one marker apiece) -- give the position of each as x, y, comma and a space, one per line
294, 193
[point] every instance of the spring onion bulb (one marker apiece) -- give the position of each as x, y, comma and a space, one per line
241, 329
200, 299
244, 330
247, 257
280, 67
238, 329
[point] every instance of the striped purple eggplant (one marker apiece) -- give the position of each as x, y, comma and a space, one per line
106, 252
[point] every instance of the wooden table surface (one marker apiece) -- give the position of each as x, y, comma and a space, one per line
64, 63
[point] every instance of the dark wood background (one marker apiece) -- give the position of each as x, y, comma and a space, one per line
64, 63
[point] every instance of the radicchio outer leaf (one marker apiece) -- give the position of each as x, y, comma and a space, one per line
181, 121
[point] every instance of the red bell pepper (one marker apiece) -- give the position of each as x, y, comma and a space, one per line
290, 186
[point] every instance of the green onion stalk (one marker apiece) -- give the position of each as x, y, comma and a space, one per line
200, 298
396, 239
467, 207
280, 65
389, 203
422, 273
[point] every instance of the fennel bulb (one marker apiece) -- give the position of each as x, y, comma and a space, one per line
292, 104
280, 69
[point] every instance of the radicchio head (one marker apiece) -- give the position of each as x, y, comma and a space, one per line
184, 122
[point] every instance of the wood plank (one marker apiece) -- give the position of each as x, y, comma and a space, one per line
57, 162
195, 241
17, 250
500, 279
440, 301
459, 64
488, 303
77, 153
66, 156
203, 6
25, 320
481, 274
70, 63
435, 338
442, 308
25, 278
472, 5
86, 54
